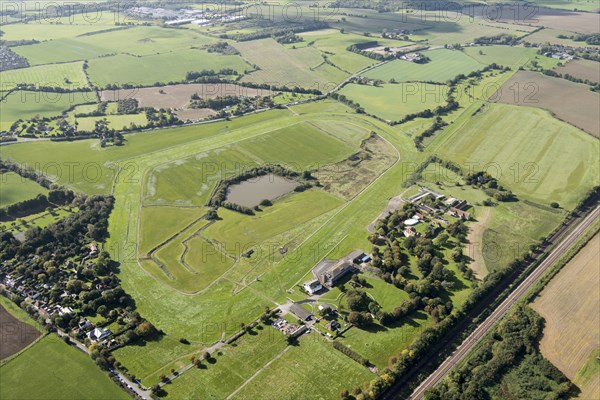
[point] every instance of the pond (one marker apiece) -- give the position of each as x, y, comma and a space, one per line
252, 191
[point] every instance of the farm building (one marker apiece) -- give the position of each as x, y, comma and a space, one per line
455, 212
300, 312
313, 286
329, 272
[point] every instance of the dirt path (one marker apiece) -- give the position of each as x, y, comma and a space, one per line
475, 240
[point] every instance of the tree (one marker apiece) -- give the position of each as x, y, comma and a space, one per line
360, 319
554, 205
145, 330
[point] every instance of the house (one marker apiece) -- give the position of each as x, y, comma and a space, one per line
313, 286
65, 311
98, 334
300, 312
410, 231
455, 212
84, 324
333, 325
93, 248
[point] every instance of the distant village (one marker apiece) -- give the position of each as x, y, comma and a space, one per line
183, 16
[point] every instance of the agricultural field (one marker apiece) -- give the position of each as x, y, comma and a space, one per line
334, 44
66, 75
288, 375
60, 51
576, 104
26, 104
280, 66
525, 149
394, 101
573, 21
51, 369
164, 67
444, 65
550, 36
16, 189
115, 121
178, 96
582, 69
18, 329
230, 367
569, 307
509, 56
210, 247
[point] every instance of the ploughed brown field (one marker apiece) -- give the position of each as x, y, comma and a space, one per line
569, 304
571, 102
582, 69
15, 335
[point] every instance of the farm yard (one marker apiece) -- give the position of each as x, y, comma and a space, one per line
569, 307
576, 105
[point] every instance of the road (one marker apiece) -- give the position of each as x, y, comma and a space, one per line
469, 343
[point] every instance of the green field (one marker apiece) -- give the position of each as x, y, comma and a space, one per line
334, 44
150, 359
25, 105
282, 66
117, 122
16, 188
160, 223
298, 146
502, 55
148, 40
236, 229
51, 370
61, 50
535, 155
394, 101
165, 67
94, 168
232, 365
67, 75
311, 369
444, 65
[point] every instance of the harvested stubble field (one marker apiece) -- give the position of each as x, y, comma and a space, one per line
582, 69
569, 304
571, 102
